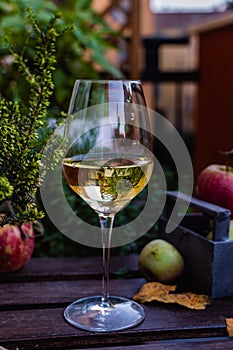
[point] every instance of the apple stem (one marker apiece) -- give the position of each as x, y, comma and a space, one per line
23, 234
227, 164
12, 212
9, 207
228, 156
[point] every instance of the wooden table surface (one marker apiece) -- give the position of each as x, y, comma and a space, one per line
33, 299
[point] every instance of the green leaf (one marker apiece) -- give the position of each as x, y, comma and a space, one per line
99, 58
6, 189
83, 4
6, 7
13, 23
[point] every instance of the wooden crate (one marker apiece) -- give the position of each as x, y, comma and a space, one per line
202, 239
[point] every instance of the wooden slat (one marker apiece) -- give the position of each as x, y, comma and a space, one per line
129, 28
56, 293
69, 268
31, 312
32, 329
224, 20
135, 40
113, 4
189, 344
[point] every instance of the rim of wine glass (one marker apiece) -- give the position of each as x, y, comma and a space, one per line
138, 81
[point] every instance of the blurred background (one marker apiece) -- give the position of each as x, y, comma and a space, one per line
181, 50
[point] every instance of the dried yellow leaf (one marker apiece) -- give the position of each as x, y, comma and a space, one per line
166, 293
192, 300
154, 291
229, 324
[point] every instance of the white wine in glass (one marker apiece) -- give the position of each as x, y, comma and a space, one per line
108, 163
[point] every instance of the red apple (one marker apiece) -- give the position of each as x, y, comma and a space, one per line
16, 247
215, 185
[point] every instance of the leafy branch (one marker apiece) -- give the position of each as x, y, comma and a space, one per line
20, 126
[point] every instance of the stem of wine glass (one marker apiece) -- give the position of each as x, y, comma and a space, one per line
106, 224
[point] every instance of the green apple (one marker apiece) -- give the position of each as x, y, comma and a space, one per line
160, 261
231, 230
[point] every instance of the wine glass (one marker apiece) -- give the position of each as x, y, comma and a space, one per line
108, 163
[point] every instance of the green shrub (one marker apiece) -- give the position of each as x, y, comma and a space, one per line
78, 54
32, 60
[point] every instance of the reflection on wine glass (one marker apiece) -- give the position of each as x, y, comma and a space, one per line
108, 163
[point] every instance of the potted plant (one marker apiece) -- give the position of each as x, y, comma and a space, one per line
21, 128
79, 54
76, 55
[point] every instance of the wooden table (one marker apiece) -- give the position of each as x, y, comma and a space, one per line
32, 301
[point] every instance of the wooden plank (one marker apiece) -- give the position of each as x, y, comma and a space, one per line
59, 293
134, 20
188, 344
222, 21
46, 329
31, 313
225, 344
33, 328
39, 269
113, 4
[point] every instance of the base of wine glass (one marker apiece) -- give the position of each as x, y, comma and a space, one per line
92, 314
